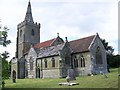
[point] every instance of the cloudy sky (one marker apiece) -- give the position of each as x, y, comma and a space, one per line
72, 18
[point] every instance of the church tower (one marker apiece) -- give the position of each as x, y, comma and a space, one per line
28, 33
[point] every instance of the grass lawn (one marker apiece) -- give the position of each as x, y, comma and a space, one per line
97, 81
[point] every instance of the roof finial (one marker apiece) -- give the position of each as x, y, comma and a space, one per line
96, 33
58, 34
66, 39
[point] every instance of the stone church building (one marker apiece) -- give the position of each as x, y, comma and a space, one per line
55, 57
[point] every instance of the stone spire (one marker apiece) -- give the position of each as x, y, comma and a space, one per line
28, 16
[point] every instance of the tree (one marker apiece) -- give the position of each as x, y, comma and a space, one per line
109, 49
3, 36
5, 65
3, 57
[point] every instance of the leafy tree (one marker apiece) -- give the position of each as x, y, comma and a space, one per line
3, 36
109, 49
5, 65
114, 61
3, 57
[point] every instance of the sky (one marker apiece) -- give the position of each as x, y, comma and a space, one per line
70, 18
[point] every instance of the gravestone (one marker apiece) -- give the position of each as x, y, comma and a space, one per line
71, 74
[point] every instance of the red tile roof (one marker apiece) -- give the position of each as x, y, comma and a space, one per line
81, 45
44, 44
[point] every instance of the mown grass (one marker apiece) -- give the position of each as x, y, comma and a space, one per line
97, 81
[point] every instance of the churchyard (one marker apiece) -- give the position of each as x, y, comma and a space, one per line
96, 81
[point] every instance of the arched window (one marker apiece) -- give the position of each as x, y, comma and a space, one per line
45, 63
82, 60
75, 62
31, 63
53, 62
98, 56
32, 32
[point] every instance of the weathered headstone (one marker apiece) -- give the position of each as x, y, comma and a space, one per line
71, 74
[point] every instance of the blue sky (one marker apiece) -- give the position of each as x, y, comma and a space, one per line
72, 18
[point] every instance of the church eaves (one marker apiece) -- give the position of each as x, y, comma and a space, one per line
28, 16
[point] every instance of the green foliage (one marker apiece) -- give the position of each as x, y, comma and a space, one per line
5, 65
4, 41
3, 36
114, 61
109, 49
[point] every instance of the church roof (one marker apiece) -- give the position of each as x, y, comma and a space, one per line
81, 45
77, 46
50, 51
44, 44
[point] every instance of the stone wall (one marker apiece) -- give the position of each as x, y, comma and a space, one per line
50, 71
32, 55
14, 67
25, 38
97, 68
83, 70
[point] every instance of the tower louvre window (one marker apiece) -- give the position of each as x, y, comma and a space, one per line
20, 33
32, 32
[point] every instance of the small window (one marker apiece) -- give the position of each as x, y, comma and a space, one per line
32, 32
53, 62
45, 63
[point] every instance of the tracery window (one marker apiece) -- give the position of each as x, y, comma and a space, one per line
98, 56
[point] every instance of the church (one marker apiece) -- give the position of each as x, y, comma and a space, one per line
54, 58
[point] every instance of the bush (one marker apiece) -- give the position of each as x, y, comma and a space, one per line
113, 61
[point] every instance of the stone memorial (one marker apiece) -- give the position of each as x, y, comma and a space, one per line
71, 74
